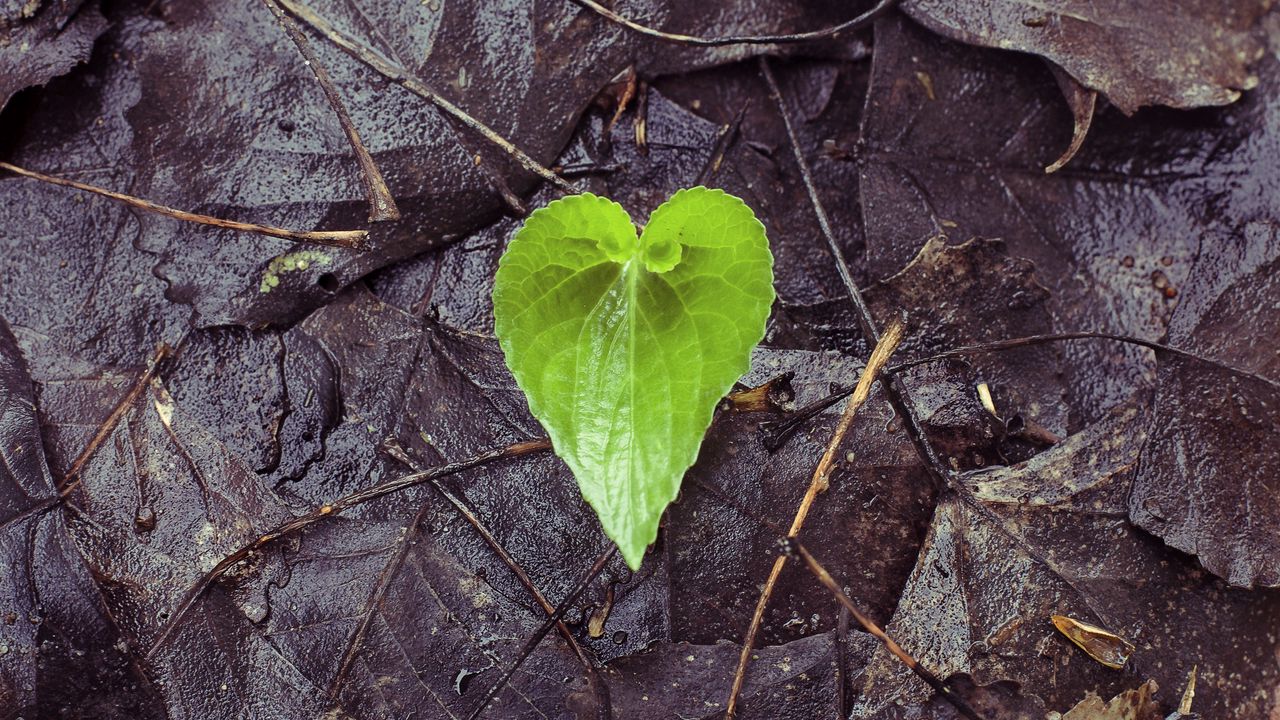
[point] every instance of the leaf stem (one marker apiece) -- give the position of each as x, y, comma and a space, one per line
382, 206
792, 546
597, 682
820, 481
351, 239
71, 480
347, 502
876, 11
778, 433
546, 626
402, 77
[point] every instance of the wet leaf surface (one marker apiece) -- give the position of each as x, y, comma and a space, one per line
1180, 54
59, 647
1129, 489
41, 39
222, 83
793, 680
1016, 545
1218, 502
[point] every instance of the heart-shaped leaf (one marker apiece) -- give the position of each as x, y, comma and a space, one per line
624, 344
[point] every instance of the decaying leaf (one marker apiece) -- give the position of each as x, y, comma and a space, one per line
41, 39
792, 681
1216, 499
1136, 704
1162, 226
1049, 536
1113, 236
1176, 53
59, 646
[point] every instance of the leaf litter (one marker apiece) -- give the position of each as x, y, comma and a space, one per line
966, 575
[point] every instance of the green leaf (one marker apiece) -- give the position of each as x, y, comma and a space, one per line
624, 344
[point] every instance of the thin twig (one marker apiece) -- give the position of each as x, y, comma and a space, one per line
546, 626
381, 205
777, 433
819, 483
1012, 343
405, 79
879, 9
593, 676
71, 480
335, 508
895, 391
791, 546
725, 138
351, 239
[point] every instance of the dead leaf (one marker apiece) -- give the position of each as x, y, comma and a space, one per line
1101, 645
1134, 704
1216, 499
1181, 54
41, 39
1017, 544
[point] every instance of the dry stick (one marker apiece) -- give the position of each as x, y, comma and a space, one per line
725, 138
597, 682
819, 483
777, 433
402, 77
353, 239
791, 546
546, 626
1012, 343
895, 391
72, 479
381, 205
551, 621
359, 497
866, 17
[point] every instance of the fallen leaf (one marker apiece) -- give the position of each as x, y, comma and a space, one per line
1015, 545
59, 646
1129, 705
1101, 645
41, 39
680, 680
1208, 477
1181, 54
1109, 235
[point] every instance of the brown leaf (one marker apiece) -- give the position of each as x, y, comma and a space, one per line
1176, 53
1134, 704
1019, 544
1210, 474
41, 39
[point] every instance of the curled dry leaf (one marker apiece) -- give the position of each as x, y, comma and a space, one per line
1105, 647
